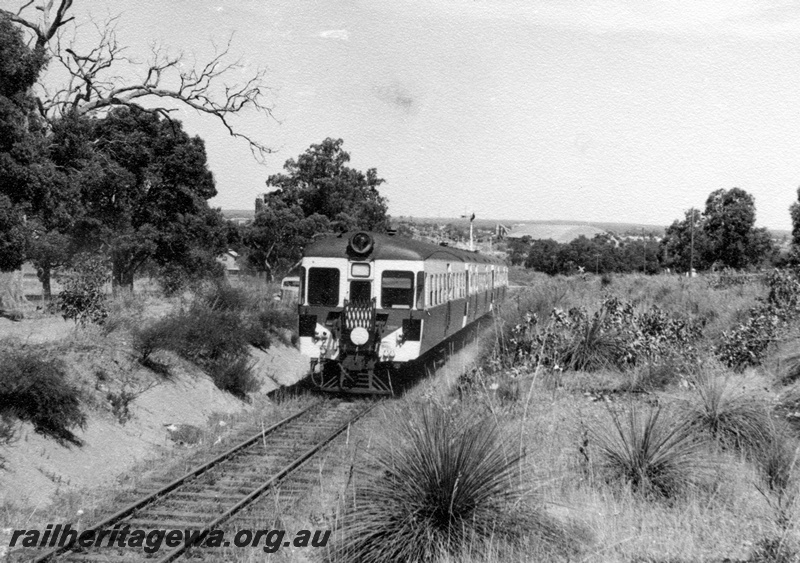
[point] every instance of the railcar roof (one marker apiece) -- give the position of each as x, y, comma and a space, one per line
389, 247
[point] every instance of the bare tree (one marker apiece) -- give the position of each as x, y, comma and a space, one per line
96, 83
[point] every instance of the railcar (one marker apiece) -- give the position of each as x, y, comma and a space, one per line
370, 304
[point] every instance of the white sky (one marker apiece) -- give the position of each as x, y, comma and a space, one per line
604, 110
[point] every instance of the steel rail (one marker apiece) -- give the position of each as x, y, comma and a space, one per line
275, 479
117, 516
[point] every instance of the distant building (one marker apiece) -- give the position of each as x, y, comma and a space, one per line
231, 262
559, 233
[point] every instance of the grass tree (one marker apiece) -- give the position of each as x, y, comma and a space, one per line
448, 486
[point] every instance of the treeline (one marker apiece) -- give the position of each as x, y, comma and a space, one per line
723, 235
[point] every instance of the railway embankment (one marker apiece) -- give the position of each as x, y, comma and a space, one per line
135, 418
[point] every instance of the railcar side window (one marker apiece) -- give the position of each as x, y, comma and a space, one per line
397, 289
323, 286
420, 290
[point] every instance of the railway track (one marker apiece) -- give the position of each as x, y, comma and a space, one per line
211, 496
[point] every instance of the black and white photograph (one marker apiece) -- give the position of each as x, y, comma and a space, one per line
400, 281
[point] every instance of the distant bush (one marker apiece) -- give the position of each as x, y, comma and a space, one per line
35, 390
448, 486
613, 336
654, 454
82, 298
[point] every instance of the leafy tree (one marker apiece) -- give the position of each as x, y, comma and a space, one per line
729, 219
320, 183
317, 193
144, 190
278, 234
21, 142
794, 212
543, 255
686, 244
723, 234
51, 168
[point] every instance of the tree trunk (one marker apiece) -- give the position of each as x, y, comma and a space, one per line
45, 274
122, 276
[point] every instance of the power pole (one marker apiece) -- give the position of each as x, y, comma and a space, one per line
644, 253
691, 253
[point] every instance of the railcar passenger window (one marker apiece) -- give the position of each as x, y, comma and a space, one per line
420, 290
397, 290
323, 286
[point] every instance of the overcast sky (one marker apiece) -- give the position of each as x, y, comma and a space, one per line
606, 110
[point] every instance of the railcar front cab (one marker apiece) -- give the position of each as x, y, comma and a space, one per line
360, 319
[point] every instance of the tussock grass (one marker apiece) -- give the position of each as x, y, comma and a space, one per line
449, 485
655, 454
734, 416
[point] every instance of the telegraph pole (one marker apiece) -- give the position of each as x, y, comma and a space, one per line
691, 253
644, 253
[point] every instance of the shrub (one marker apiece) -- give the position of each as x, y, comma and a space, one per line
448, 483
747, 344
654, 454
207, 335
224, 297
8, 429
173, 279
733, 416
82, 298
35, 390
163, 334
234, 376
614, 336
215, 340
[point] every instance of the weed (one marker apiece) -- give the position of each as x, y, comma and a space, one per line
35, 390
82, 298
449, 483
654, 454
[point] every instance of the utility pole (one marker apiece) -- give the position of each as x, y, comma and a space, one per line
691, 253
644, 253
471, 219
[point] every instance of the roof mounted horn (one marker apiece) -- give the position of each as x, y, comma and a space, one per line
361, 243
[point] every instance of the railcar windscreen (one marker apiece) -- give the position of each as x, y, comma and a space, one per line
323, 286
397, 289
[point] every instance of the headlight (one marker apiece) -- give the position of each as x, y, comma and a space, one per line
359, 336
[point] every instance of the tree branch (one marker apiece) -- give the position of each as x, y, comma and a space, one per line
95, 85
